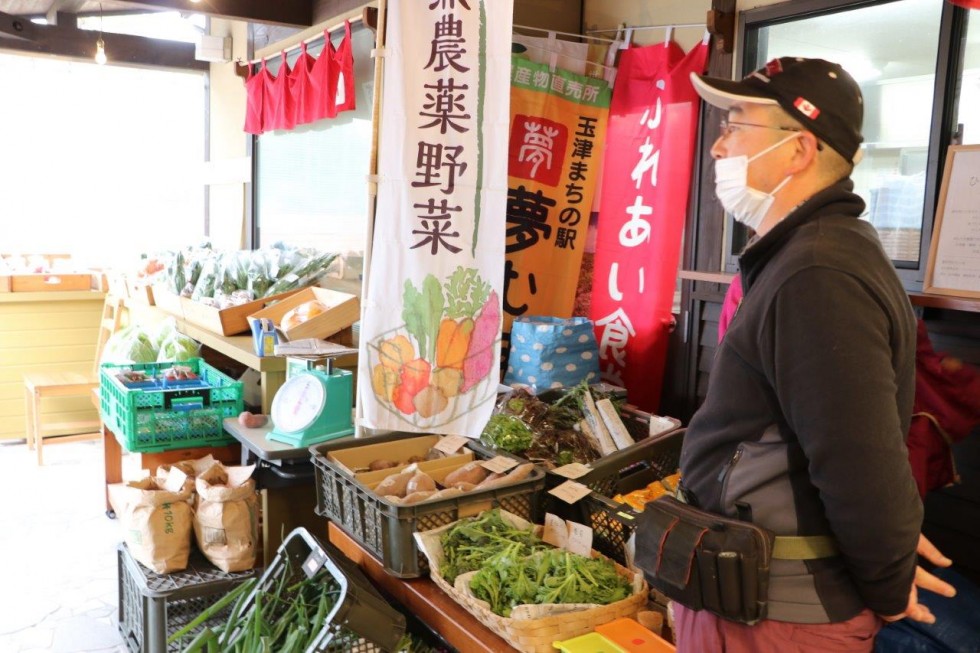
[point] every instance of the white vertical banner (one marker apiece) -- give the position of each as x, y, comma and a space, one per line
430, 334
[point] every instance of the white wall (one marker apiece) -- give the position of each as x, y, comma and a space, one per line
228, 141
602, 14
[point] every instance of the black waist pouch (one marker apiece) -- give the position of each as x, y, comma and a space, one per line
705, 561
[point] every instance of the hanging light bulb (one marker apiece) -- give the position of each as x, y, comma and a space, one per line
100, 57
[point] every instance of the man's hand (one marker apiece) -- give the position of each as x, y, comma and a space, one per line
915, 610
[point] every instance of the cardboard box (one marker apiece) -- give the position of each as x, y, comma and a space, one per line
354, 460
226, 322
344, 310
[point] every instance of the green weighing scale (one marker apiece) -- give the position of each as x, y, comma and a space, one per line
313, 406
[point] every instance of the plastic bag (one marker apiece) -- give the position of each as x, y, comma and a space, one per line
131, 344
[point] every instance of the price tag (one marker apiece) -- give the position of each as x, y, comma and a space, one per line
499, 464
572, 470
579, 539
451, 444
570, 491
175, 480
555, 531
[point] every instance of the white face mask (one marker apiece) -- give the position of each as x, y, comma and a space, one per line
746, 204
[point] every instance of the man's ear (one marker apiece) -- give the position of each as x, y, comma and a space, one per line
805, 154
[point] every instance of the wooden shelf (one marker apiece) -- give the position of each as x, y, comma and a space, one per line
711, 277
929, 300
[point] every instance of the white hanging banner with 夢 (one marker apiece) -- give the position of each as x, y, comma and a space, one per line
430, 334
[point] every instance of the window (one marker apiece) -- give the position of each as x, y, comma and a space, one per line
170, 25
100, 161
918, 65
968, 88
311, 182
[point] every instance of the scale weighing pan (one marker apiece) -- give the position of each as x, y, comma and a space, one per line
313, 407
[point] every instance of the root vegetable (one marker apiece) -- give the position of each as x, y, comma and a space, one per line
421, 482
396, 484
472, 472
250, 420
381, 463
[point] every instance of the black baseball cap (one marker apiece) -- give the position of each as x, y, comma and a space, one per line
820, 94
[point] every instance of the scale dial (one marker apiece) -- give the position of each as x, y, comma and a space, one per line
298, 403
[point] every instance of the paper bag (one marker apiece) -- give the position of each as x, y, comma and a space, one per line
226, 519
156, 523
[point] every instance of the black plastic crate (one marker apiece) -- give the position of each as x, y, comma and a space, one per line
387, 530
361, 620
629, 469
153, 606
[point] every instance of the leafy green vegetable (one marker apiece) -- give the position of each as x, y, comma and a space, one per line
466, 293
422, 312
509, 579
507, 432
467, 545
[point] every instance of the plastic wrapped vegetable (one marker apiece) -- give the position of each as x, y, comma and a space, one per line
131, 344
178, 347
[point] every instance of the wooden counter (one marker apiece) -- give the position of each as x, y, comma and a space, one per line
429, 603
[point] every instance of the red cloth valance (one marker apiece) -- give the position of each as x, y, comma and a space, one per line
315, 88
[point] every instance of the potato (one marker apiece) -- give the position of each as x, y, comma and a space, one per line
396, 484
493, 480
418, 497
421, 482
472, 472
251, 421
381, 463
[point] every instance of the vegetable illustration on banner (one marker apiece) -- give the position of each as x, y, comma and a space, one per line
431, 328
445, 351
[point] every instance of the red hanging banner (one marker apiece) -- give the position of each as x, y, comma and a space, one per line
645, 182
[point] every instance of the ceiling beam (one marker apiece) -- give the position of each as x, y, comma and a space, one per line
277, 12
16, 28
63, 7
125, 49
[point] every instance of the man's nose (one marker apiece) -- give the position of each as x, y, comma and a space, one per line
717, 149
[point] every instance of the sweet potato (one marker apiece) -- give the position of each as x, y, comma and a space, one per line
463, 486
492, 480
420, 482
381, 463
418, 497
448, 493
471, 472
396, 484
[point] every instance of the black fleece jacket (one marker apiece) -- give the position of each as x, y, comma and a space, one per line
808, 405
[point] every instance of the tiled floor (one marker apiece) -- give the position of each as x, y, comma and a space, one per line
57, 552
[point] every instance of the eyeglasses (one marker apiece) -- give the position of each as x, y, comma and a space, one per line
730, 126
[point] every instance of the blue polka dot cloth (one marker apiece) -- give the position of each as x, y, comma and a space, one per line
552, 352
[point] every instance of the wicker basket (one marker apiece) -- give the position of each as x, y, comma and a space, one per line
532, 628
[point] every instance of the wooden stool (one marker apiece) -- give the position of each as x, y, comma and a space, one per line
40, 385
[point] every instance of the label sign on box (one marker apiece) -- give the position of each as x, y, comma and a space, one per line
555, 531
572, 470
451, 444
499, 464
568, 535
580, 539
570, 491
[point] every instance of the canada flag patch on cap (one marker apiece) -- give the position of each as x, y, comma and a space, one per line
807, 108
773, 67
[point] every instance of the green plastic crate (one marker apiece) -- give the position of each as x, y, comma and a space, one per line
146, 419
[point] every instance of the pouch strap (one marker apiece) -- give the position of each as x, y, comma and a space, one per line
808, 547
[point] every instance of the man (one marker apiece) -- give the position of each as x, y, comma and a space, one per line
802, 430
